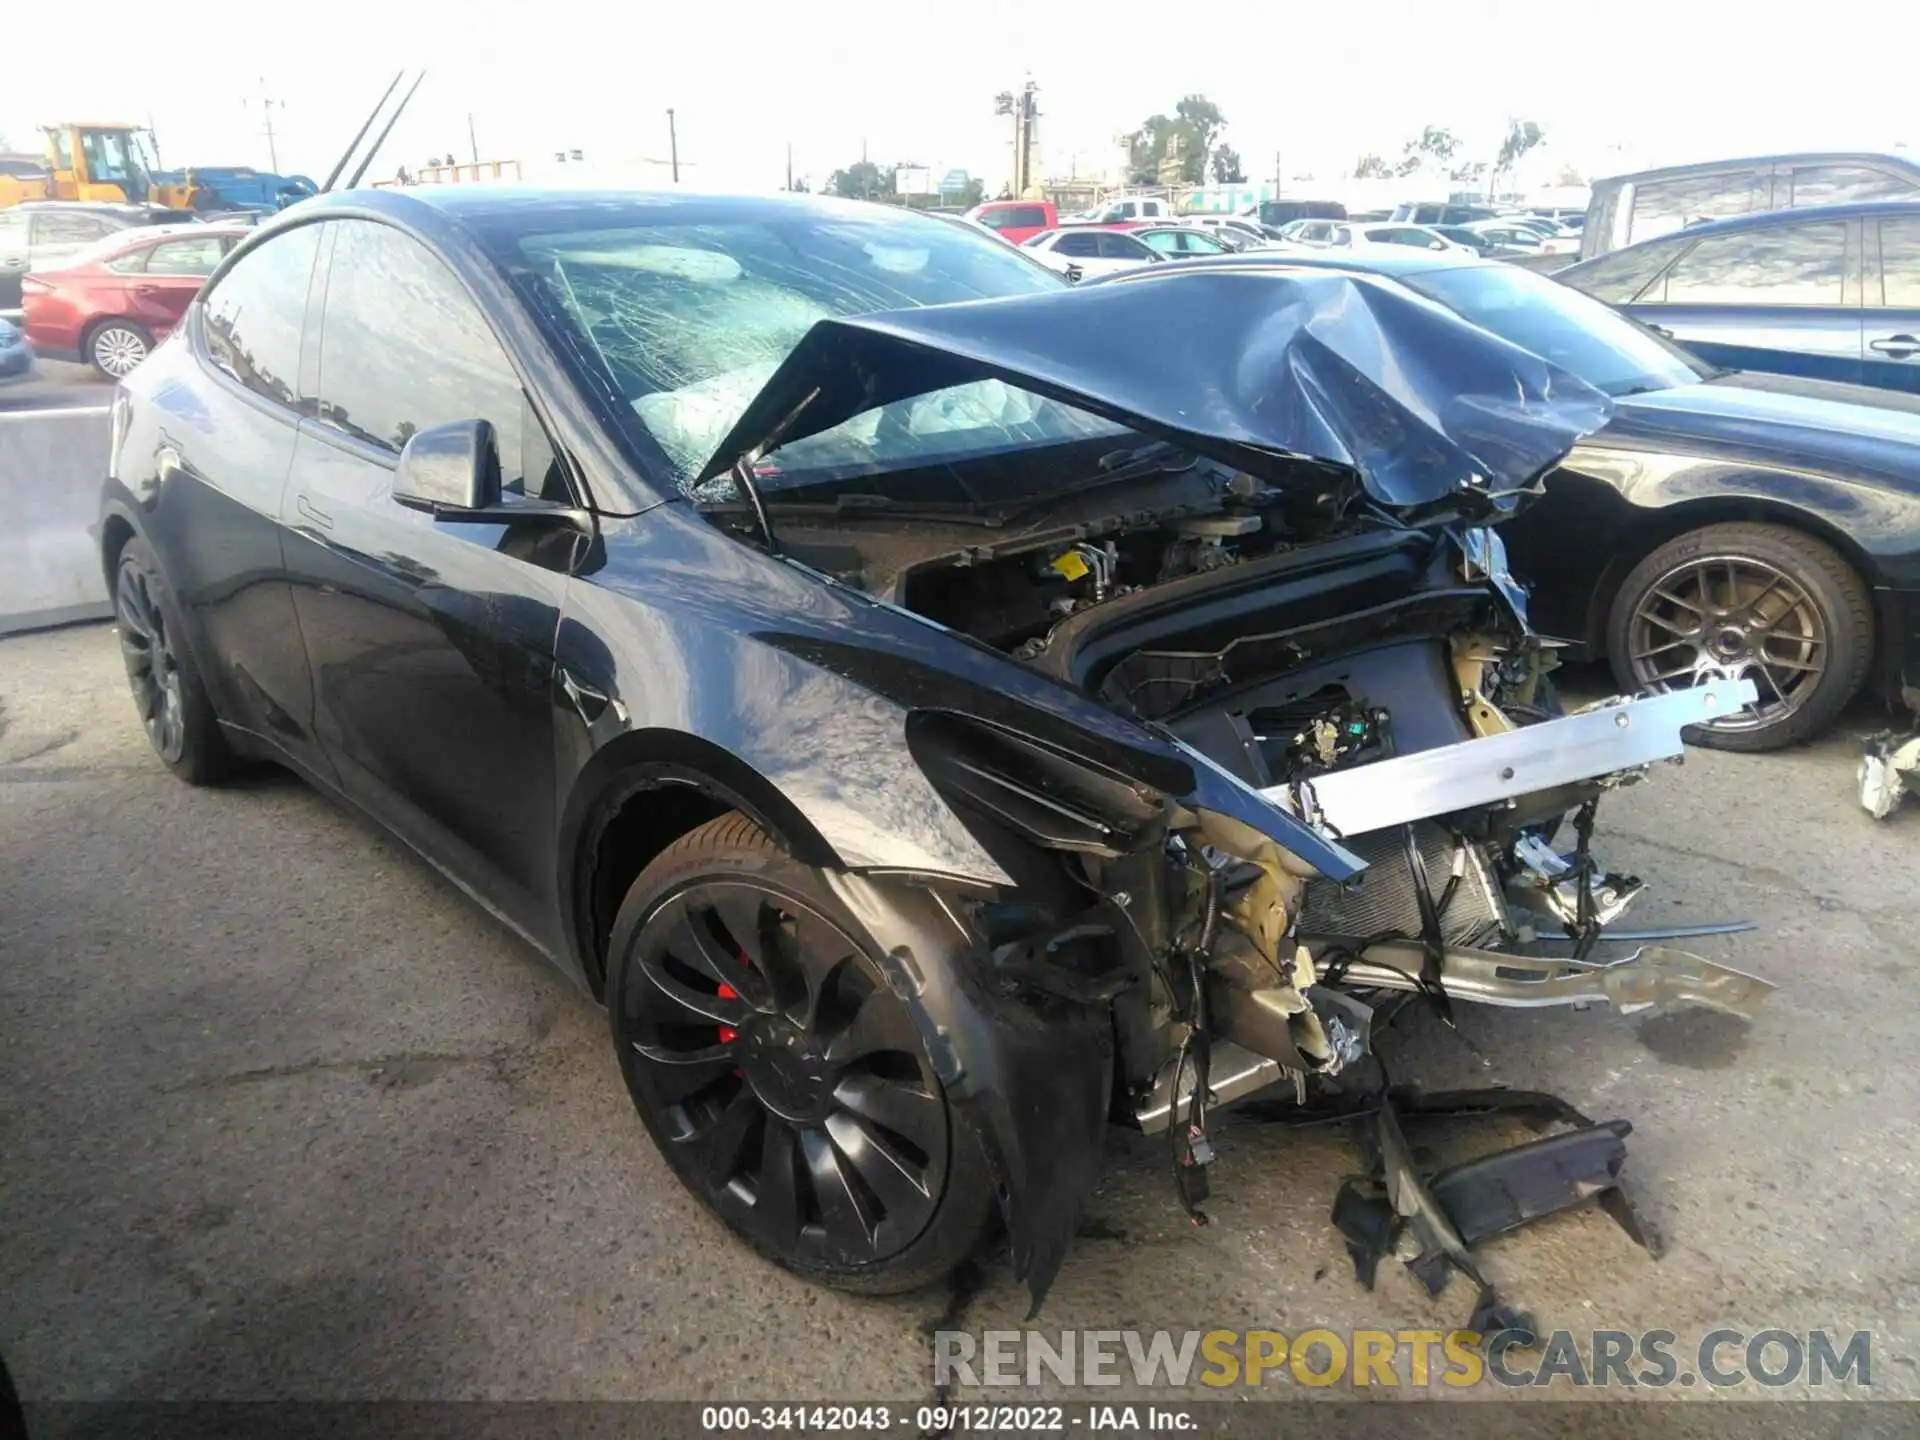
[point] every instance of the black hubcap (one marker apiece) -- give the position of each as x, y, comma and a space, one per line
784, 1073
1731, 617
151, 667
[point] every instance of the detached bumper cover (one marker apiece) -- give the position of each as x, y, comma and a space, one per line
1486, 771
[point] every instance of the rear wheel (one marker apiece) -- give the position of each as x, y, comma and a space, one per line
167, 690
117, 347
1742, 601
780, 1075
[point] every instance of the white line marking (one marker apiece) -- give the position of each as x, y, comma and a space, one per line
54, 410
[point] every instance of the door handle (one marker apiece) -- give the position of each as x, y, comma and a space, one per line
308, 512
1898, 346
1661, 331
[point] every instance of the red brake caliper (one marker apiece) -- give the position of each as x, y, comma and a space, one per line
727, 1032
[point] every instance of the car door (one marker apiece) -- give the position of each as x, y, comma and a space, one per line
56, 236
1783, 298
1891, 358
166, 277
431, 642
228, 444
13, 256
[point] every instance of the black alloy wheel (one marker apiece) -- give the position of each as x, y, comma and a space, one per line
152, 670
167, 692
782, 1078
1755, 602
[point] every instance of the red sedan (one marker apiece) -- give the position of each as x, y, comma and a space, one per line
114, 301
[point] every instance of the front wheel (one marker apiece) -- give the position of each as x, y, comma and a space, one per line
781, 1077
1743, 601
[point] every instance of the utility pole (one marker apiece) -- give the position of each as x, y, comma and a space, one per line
1276, 174
673, 145
266, 111
789, 165
472, 143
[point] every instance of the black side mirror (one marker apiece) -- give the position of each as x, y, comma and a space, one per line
450, 467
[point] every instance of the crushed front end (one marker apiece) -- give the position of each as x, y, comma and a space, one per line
1279, 755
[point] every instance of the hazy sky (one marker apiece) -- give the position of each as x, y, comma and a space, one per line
1616, 85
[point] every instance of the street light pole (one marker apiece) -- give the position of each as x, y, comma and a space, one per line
673, 145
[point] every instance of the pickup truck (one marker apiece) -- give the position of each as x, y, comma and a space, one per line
1015, 221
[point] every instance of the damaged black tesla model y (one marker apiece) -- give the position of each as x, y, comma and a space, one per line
938, 711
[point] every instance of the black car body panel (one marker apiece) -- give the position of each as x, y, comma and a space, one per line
1256, 370
952, 717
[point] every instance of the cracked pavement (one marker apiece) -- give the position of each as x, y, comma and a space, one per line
284, 1114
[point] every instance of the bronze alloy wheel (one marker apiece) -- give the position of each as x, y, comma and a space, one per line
1731, 617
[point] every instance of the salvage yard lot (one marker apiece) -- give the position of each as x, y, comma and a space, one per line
286, 1115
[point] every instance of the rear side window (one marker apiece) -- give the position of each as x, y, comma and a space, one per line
198, 256
1023, 216
1839, 184
254, 315
1779, 265
13, 231
1900, 263
1619, 278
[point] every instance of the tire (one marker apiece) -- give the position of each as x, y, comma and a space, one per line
812, 1125
1761, 601
116, 348
167, 690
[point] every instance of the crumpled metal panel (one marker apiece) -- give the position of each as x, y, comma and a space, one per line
1256, 369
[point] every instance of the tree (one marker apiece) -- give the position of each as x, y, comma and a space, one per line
862, 180
1570, 176
1432, 143
1187, 135
1371, 167
1522, 136
1226, 167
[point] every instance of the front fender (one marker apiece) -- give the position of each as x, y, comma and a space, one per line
1029, 1077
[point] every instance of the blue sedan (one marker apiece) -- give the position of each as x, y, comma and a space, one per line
1830, 291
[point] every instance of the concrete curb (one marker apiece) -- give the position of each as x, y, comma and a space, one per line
51, 466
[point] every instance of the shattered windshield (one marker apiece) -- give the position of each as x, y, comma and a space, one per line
690, 319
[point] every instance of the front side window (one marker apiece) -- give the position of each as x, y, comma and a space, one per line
997, 219
13, 231
1082, 245
404, 347
1778, 265
255, 315
1024, 216
1123, 247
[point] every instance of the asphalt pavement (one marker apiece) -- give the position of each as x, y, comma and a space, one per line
284, 1115
56, 385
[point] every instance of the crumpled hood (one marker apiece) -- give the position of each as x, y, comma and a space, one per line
1257, 370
